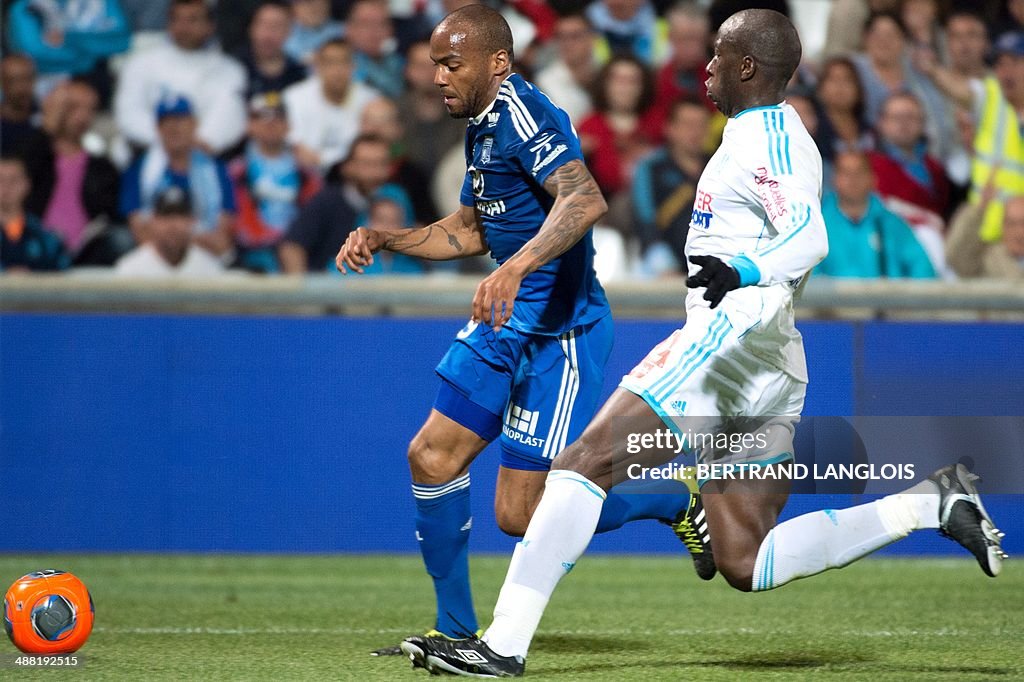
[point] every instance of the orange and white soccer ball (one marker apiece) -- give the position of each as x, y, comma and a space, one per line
48, 612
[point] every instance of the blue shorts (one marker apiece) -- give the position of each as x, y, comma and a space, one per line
538, 392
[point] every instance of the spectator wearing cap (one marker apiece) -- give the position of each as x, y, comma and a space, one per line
25, 245
269, 68
311, 28
368, 29
176, 161
325, 108
69, 38
270, 186
866, 240
188, 64
997, 103
170, 250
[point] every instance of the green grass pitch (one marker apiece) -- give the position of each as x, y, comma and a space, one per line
625, 618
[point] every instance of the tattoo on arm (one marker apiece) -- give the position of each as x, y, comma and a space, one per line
410, 239
578, 204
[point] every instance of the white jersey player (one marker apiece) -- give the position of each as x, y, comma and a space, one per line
756, 232
758, 209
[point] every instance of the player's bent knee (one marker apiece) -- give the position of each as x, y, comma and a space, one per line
584, 460
512, 521
738, 570
430, 464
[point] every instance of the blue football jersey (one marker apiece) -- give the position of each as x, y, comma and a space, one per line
511, 149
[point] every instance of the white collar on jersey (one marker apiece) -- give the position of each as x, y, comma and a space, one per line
479, 119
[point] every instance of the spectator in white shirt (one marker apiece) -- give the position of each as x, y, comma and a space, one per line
170, 251
188, 65
325, 108
569, 79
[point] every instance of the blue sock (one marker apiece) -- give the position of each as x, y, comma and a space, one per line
633, 501
443, 520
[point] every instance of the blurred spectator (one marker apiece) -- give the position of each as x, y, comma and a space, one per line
629, 26
884, 68
569, 78
176, 161
311, 28
370, 33
18, 104
380, 119
865, 239
623, 127
324, 109
232, 19
969, 256
684, 73
322, 225
190, 65
269, 185
169, 251
429, 131
77, 196
805, 108
24, 243
846, 20
841, 126
967, 44
664, 186
146, 16
1011, 18
387, 214
69, 37
268, 67
903, 168
998, 105
922, 19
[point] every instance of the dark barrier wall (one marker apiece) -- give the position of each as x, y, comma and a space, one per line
159, 433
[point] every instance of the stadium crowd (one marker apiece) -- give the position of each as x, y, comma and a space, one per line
182, 137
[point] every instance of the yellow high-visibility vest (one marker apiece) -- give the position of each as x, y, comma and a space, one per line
998, 157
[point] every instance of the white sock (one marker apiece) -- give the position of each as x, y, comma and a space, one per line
833, 538
557, 536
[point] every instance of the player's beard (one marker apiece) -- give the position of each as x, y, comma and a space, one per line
715, 96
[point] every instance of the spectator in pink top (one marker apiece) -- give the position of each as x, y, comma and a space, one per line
76, 192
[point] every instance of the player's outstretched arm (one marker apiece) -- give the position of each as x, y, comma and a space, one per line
578, 205
458, 235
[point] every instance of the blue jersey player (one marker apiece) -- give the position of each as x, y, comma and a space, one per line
528, 367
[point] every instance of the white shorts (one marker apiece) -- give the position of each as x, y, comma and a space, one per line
701, 380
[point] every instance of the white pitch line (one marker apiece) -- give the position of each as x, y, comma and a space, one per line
943, 632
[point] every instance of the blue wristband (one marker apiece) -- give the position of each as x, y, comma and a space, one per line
748, 271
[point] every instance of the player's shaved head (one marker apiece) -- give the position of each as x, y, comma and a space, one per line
756, 53
472, 53
483, 29
767, 36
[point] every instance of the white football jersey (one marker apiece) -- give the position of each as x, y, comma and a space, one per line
758, 207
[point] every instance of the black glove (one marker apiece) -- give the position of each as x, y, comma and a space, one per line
719, 277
